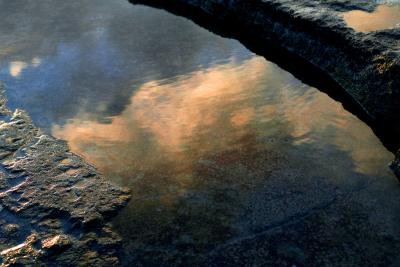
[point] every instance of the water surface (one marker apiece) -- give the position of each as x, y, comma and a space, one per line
384, 17
216, 143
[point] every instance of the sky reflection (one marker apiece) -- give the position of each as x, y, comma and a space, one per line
214, 141
384, 17
196, 150
57, 56
212, 108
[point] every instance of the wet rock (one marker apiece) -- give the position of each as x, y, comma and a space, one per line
23, 254
50, 196
10, 229
395, 165
109, 239
56, 244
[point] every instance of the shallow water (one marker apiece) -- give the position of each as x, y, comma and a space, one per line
384, 17
215, 142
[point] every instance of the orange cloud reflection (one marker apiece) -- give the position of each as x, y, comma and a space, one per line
165, 119
384, 17
175, 122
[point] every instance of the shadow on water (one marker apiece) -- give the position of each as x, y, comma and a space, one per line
300, 68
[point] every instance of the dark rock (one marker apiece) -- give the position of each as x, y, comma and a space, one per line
56, 244
395, 165
10, 229
52, 197
24, 254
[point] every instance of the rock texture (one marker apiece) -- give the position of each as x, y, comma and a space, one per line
365, 66
54, 207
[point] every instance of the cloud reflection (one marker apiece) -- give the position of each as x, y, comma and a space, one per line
384, 17
198, 150
209, 110
194, 124
16, 67
165, 118
61, 56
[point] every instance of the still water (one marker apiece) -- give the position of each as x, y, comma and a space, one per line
215, 142
384, 17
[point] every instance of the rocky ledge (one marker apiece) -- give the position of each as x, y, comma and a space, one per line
54, 207
364, 66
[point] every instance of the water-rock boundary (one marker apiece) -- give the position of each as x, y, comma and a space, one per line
54, 207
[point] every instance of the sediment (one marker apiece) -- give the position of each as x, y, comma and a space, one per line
314, 38
54, 207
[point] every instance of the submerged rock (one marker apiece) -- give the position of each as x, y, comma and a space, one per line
50, 196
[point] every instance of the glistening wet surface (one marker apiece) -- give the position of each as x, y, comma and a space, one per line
384, 17
219, 146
